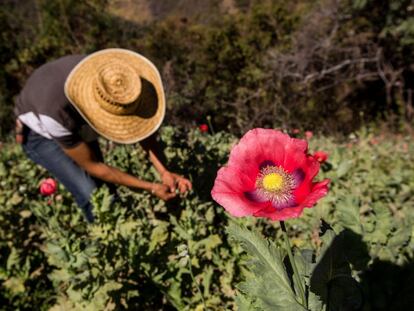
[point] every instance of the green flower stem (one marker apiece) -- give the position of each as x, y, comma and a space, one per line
210, 125
293, 264
195, 282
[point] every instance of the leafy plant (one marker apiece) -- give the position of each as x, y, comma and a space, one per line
49, 257
271, 284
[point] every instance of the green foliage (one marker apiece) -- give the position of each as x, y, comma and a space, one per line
378, 185
132, 257
129, 256
242, 69
326, 277
222, 68
269, 287
393, 23
23, 265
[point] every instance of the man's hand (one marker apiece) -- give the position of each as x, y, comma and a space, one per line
174, 181
162, 191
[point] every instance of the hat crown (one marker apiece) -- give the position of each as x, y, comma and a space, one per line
118, 87
97, 96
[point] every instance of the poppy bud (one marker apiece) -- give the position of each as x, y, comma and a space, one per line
320, 156
48, 187
308, 134
203, 128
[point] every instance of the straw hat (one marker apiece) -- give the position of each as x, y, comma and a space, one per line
119, 93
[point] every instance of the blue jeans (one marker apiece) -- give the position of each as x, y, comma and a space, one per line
49, 154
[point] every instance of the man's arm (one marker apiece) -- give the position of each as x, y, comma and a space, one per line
157, 158
156, 155
84, 156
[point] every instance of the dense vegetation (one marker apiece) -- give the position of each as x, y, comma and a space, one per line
135, 255
326, 65
332, 66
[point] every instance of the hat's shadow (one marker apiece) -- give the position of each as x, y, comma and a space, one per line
148, 100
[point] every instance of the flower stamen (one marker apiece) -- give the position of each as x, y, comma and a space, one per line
276, 185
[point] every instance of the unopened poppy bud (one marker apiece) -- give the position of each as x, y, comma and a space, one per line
308, 135
48, 187
320, 156
203, 128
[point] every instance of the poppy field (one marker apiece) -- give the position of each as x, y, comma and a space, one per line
352, 251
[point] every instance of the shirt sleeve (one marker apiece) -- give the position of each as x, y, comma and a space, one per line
67, 138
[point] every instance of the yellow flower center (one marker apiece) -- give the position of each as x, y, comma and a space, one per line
275, 184
272, 182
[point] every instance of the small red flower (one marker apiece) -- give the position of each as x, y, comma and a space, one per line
308, 135
269, 174
320, 156
295, 131
203, 128
48, 187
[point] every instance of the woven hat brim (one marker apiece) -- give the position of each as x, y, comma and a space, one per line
124, 129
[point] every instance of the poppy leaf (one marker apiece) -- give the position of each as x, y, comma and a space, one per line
270, 284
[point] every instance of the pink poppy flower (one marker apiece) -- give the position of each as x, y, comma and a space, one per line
308, 135
320, 156
203, 128
295, 131
48, 187
269, 174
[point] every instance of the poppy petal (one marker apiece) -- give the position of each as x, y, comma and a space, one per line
229, 188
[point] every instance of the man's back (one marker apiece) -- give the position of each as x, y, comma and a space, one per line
43, 106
